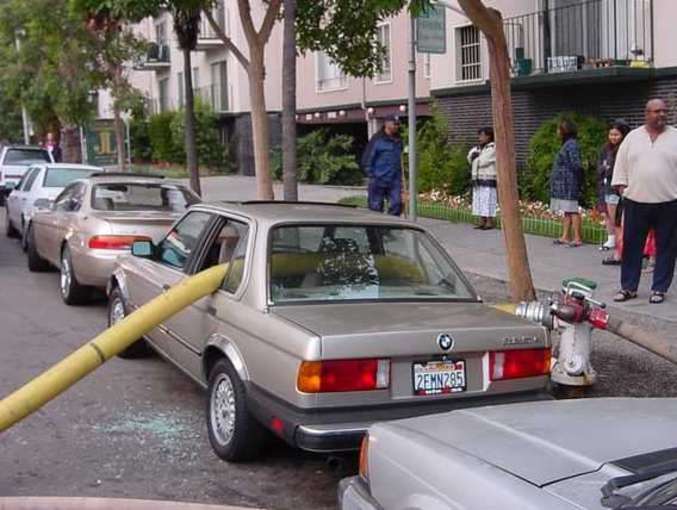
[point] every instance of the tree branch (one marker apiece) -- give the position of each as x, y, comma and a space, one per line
226, 40
269, 20
488, 20
247, 23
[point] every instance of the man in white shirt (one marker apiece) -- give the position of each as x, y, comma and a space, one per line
645, 174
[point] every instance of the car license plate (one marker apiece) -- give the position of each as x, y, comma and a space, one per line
439, 377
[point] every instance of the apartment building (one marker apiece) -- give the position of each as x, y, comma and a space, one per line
597, 57
327, 97
218, 78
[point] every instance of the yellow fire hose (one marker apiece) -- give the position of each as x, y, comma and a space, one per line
36, 393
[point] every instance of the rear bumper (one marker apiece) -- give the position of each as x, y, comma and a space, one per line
336, 430
353, 494
94, 267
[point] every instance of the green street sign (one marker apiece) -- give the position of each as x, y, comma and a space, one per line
101, 144
431, 30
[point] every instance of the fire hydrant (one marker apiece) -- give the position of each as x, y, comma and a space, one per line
574, 313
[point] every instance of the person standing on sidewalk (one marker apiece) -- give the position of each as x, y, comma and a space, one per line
482, 159
608, 198
645, 175
566, 183
382, 161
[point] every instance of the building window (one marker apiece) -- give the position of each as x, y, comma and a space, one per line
468, 53
180, 89
161, 33
385, 71
329, 75
196, 77
427, 66
163, 95
219, 88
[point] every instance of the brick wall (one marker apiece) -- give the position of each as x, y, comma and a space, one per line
467, 113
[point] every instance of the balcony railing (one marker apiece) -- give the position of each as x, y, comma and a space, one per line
205, 29
587, 35
158, 52
215, 95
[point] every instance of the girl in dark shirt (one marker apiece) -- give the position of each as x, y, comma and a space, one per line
607, 196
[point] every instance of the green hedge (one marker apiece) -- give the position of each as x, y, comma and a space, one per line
441, 165
322, 159
543, 148
161, 138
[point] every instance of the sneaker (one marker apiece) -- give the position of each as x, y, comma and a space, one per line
610, 244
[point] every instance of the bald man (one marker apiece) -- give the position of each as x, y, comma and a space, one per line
645, 175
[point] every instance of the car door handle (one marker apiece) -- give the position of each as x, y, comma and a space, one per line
211, 310
166, 287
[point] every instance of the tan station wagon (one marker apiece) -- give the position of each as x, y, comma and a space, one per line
329, 319
94, 220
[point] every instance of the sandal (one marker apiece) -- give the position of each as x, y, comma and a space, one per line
611, 261
657, 297
559, 242
624, 295
574, 245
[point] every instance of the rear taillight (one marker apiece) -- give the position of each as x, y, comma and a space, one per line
343, 375
114, 242
518, 363
364, 458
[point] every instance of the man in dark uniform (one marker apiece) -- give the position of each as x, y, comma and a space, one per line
382, 161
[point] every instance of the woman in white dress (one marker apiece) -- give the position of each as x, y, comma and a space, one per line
482, 159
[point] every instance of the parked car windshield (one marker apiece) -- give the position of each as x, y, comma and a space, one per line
141, 197
26, 156
360, 262
60, 177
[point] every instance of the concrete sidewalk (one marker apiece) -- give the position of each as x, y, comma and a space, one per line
483, 252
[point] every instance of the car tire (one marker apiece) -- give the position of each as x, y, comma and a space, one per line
117, 310
10, 231
72, 292
235, 435
35, 262
24, 237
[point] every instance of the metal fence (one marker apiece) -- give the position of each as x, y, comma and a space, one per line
593, 232
585, 35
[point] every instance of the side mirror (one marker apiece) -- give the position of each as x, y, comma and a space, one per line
43, 204
10, 186
143, 249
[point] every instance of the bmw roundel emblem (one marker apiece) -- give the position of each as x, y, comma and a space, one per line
445, 341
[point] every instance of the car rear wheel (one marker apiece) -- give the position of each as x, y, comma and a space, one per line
72, 292
35, 261
10, 231
24, 236
234, 433
117, 310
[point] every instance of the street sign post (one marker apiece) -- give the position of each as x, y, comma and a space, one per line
431, 34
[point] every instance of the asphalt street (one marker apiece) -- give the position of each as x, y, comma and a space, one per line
136, 428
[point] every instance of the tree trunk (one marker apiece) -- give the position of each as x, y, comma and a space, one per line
191, 145
71, 144
119, 125
490, 23
119, 138
289, 102
260, 129
520, 282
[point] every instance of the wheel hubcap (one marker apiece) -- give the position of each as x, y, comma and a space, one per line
65, 275
222, 409
117, 311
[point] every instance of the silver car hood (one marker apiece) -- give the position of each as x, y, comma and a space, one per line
547, 442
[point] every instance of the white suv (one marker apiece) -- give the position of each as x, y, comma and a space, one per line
37, 188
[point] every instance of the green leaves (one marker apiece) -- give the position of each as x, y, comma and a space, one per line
323, 159
346, 30
543, 147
